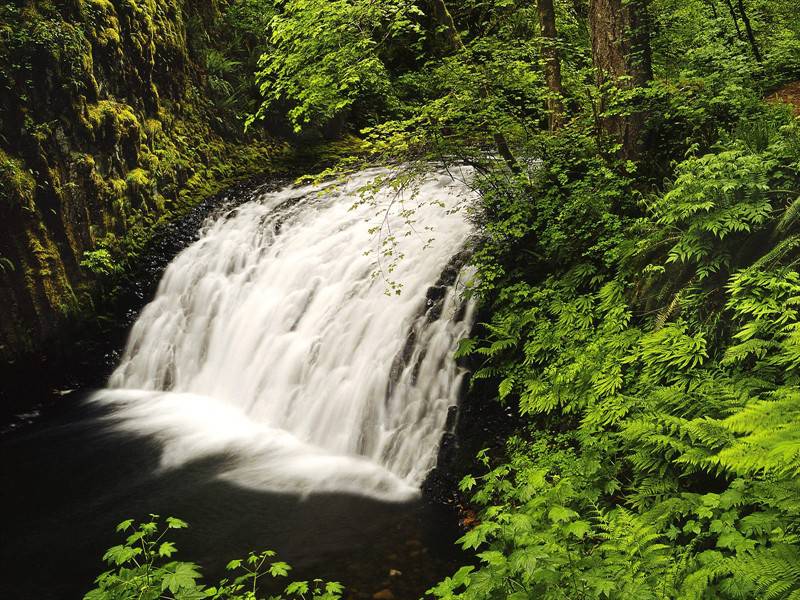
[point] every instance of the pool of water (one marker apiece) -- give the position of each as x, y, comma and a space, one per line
68, 479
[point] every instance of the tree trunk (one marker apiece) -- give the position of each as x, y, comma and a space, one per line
735, 19
445, 20
748, 28
621, 53
456, 44
552, 64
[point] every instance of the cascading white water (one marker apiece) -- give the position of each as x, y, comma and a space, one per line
272, 343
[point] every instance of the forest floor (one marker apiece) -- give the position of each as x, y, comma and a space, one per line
790, 94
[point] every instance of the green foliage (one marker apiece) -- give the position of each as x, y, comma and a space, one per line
647, 333
35, 45
142, 567
641, 316
220, 68
101, 262
657, 370
324, 56
18, 184
115, 116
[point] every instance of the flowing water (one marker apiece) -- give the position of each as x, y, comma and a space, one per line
279, 358
275, 340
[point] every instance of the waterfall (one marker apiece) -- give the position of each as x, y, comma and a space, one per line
276, 345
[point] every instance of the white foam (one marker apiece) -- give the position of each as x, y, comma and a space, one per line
271, 342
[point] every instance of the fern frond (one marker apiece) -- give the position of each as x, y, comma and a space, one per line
777, 252
788, 218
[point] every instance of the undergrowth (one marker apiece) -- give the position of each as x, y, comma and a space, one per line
649, 336
143, 567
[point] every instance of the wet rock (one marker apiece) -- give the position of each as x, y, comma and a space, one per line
386, 594
468, 518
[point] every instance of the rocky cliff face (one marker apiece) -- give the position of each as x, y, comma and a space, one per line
105, 131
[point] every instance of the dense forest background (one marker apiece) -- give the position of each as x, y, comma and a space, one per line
639, 170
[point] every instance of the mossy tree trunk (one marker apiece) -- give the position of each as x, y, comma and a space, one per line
621, 52
552, 64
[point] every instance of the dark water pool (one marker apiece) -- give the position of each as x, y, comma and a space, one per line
67, 481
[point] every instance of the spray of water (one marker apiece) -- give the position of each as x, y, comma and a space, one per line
272, 346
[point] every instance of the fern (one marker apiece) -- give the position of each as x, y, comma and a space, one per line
657, 376
788, 219
771, 574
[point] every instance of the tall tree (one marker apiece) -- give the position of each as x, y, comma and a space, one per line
735, 19
749, 29
620, 31
456, 44
552, 63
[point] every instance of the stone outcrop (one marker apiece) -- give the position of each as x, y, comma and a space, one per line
105, 131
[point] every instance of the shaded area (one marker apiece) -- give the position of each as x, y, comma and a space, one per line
87, 352
68, 481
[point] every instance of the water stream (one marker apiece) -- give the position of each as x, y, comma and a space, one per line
276, 393
277, 341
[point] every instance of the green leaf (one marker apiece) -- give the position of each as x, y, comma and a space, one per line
279, 569
174, 523
125, 525
119, 555
297, 587
506, 386
334, 587
559, 514
578, 529
492, 557
234, 564
181, 576
462, 576
467, 483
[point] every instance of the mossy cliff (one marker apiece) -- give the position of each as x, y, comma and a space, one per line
106, 130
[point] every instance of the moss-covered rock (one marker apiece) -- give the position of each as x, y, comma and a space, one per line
106, 131
17, 183
114, 131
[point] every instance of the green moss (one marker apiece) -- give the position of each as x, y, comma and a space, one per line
105, 7
44, 276
45, 55
109, 37
84, 163
118, 187
149, 161
16, 181
114, 118
118, 159
138, 180
43, 255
